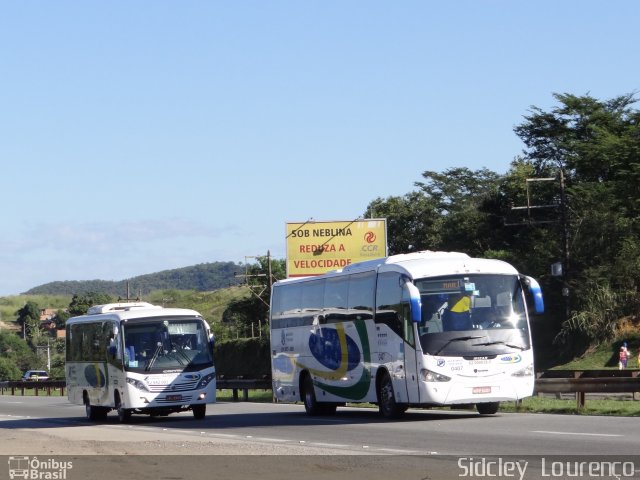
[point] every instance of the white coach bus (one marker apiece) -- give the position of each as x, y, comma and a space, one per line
139, 358
413, 330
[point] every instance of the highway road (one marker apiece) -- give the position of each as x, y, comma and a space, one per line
50, 425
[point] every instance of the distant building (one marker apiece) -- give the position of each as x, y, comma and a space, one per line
48, 324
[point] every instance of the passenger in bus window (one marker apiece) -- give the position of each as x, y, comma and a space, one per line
457, 316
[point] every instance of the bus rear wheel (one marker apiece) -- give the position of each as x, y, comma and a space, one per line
488, 408
199, 411
387, 400
94, 413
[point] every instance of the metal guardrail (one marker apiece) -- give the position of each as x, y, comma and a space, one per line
582, 382
49, 386
237, 384
579, 382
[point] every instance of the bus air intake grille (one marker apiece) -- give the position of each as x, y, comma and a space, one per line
183, 399
174, 387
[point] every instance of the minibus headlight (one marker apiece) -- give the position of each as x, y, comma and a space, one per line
205, 380
524, 372
429, 376
138, 384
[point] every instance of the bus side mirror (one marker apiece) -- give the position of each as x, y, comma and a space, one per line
415, 302
534, 291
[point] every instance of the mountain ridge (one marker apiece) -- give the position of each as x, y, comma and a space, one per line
202, 277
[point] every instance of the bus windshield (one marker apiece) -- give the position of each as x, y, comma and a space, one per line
166, 344
472, 315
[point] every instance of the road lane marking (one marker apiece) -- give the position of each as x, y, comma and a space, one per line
584, 434
330, 445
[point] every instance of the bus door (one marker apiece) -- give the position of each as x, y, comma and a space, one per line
410, 354
115, 356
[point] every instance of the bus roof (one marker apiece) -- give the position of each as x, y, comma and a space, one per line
436, 264
128, 311
424, 264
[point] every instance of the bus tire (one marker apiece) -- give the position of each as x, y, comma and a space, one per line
488, 408
89, 411
328, 408
199, 411
387, 400
124, 414
311, 405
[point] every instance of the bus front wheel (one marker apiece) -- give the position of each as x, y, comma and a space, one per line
199, 411
309, 397
488, 408
387, 400
124, 414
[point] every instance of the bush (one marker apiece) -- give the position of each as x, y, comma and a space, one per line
9, 370
244, 357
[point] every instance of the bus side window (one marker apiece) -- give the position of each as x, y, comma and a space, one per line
407, 324
389, 301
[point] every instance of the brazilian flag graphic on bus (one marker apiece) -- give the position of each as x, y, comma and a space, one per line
339, 354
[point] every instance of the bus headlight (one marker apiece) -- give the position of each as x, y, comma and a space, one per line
429, 376
524, 372
205, 380
138, 384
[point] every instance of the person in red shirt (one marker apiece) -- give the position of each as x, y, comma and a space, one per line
623, 357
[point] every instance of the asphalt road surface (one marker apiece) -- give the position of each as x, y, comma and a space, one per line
280, 441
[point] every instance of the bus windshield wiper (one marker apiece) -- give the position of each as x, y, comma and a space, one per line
155, 357
458, 339
180, 356
500, 342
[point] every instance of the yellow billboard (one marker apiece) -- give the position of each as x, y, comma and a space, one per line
314, 248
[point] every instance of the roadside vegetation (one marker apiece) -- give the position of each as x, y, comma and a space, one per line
586, 150
619, 406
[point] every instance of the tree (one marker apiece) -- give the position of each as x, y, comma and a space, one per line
413, 222
596, 144
9, 370
459, 195
249, 314
29, 318
15, 350
80, 303
61, 318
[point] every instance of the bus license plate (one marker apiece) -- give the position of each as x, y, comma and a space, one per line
174, 398
480, 390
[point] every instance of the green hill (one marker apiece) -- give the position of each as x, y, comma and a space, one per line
204, 277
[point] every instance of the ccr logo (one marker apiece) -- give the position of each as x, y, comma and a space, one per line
369, 237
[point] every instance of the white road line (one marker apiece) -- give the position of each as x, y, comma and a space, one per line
398, 451
271, 440
330, 445
584, 434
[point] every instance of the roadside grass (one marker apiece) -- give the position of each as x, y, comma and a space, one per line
262, 396
605, 356
623, 407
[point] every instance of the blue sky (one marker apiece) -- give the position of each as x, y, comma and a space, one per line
139, 136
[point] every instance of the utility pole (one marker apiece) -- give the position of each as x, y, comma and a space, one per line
530, 208
565, 246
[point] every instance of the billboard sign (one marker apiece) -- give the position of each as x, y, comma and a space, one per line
314, 248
